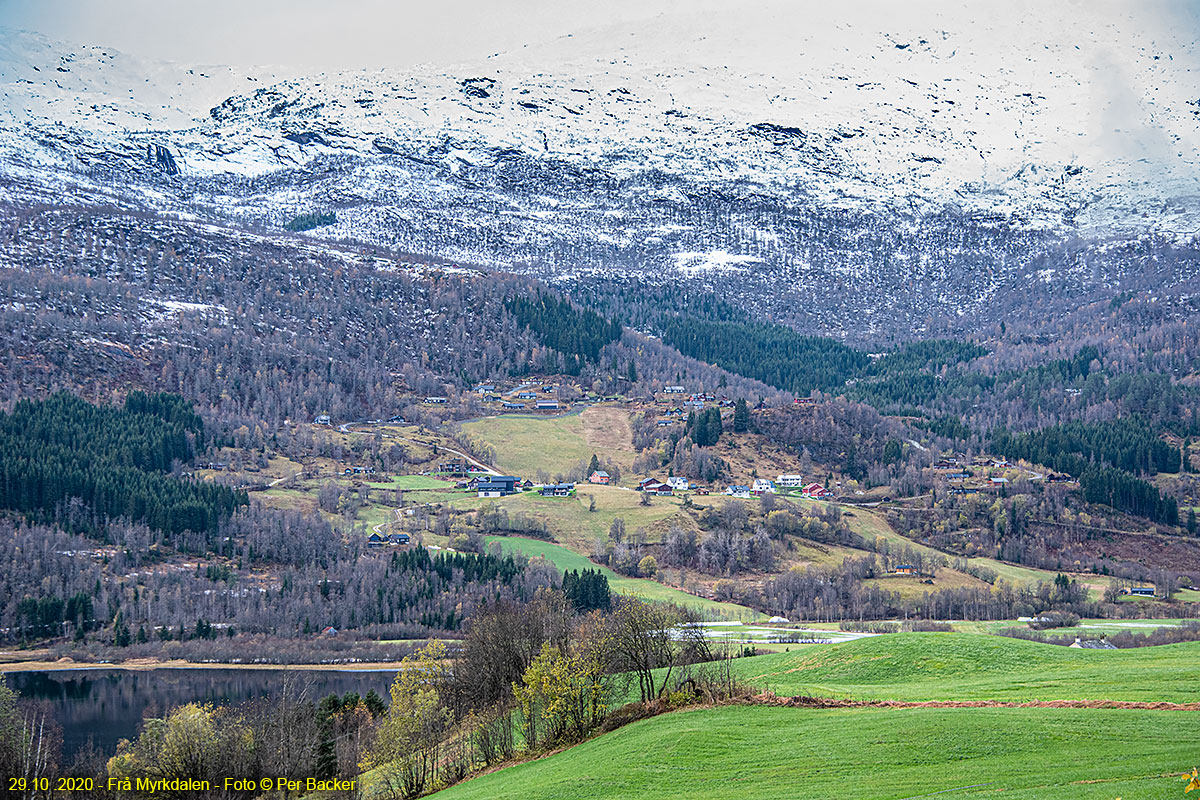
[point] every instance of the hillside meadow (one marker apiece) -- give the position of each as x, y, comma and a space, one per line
740, 752
960, 666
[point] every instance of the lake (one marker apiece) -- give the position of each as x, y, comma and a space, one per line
104, 706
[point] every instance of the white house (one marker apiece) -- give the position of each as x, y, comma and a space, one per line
790, 480
673, 389
678, 484
763, 486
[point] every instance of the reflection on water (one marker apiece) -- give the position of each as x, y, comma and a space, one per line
107, 705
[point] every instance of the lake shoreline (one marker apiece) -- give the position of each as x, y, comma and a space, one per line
146, 665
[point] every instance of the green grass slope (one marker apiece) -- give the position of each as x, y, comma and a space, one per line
566, 559
959, 666
758, 752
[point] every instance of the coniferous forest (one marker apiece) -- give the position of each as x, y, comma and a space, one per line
78, 464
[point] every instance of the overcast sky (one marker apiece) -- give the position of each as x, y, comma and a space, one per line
348, 34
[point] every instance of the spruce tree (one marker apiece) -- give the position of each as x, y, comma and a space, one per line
741, 416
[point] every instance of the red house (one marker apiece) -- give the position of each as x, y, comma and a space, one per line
599, 476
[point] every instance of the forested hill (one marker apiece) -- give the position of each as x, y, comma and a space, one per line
77, 464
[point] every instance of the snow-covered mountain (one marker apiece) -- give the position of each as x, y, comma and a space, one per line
960, 153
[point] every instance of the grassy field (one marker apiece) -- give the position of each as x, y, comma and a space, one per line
756, 752
525, 444
959, 666
570, 521
566, 559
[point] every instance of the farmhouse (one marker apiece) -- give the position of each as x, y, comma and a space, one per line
905, 569
790, 480
498, 486
678, 484
1141, 591
763, 486
453, 467
739, 491
322, 419
484, 388
600, 476
816, 491
557, 489
654, 486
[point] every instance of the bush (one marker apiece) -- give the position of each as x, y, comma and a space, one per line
854, 626
1054, 619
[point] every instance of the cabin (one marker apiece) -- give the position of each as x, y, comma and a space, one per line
546, 389
946, 463
804, 401
791, 481
485, 388
435, 400
763, 486
514, 406
662, 423
329, 631
322, 419
905, 569
679, 484
961, 475
673, 390
375, 540
557, 489
1141, 591
399, 538
547, 405
398, 420
600, 476
526, 395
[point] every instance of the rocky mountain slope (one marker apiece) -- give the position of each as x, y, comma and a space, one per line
880, 177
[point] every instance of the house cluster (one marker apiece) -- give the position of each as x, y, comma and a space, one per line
358, 471
379, 539
655, 486
556, 489
694, 400
814, 491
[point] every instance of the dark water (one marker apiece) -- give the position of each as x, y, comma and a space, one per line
104, 706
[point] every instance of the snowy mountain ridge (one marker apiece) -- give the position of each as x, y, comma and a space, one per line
605, 148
